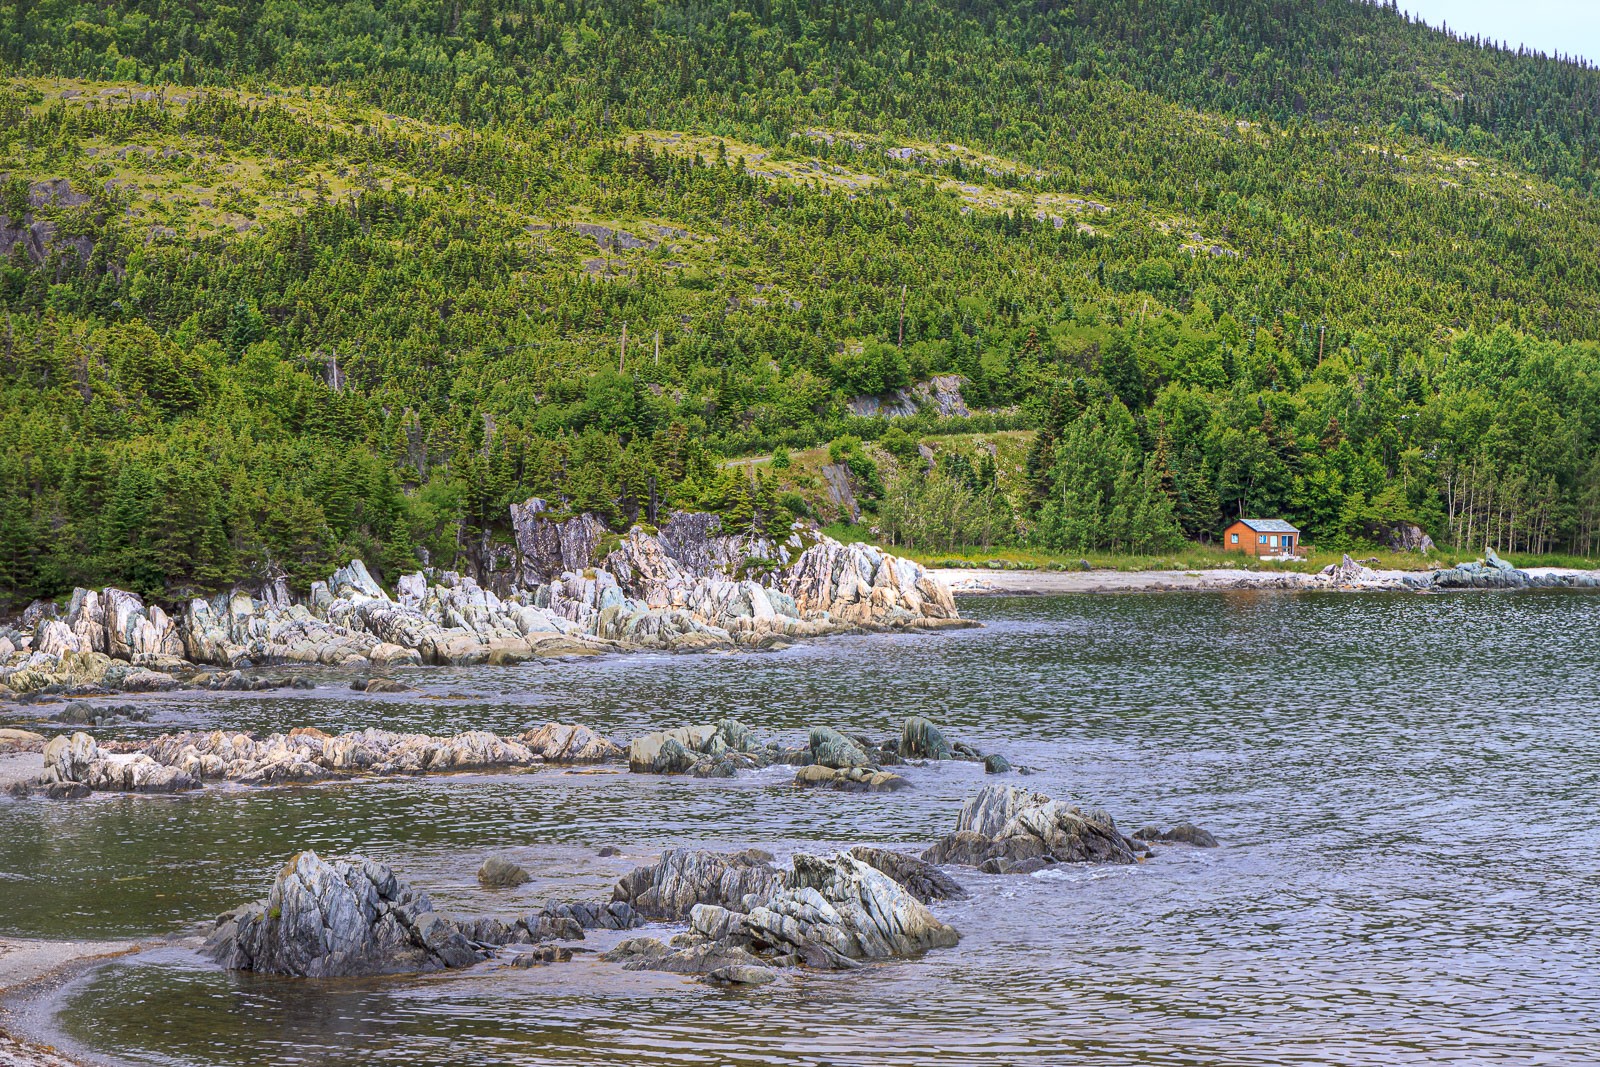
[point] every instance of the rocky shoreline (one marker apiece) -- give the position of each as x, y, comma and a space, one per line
686, 587
1492, 572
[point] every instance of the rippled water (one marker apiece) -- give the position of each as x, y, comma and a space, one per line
1405, 788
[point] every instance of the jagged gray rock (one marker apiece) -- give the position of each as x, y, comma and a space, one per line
922, 880
1004, 826
848, 907
348, 917
682, 878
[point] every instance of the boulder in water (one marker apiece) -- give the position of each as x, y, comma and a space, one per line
920, 739
830, 748
1189, 834
497, 872
1003, 823
348, 917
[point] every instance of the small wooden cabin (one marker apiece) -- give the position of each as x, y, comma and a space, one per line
1262, 537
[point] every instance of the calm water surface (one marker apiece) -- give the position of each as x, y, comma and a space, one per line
1405, 788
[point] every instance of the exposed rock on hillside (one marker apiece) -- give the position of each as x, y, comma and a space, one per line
685, 588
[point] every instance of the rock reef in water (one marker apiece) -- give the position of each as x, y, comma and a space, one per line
830, 759
80, 764
825, 912
685, 588
174, 762
352, 917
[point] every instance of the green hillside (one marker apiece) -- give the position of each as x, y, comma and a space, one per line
339, 279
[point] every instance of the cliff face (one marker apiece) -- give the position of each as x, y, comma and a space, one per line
686, 587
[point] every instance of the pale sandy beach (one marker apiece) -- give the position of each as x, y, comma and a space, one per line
27, 966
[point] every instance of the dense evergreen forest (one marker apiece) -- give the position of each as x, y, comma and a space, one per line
348, 278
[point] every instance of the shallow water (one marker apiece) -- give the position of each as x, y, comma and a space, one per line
1405, 788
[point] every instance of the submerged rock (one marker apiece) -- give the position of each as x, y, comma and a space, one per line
1009, 826
1190, 834
497, 872
854, 780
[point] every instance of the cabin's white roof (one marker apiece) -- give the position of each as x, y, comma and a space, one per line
1270, 526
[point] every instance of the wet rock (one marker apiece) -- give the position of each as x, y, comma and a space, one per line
385, 685
922, 880
717, 750
920, 739
1190, 834
344, 918
497, 872
995, 764
682, 878
607, 915
848, 907
644, 753
853, 780
608, 850
1001, 865
564, 743
1007, 823
303, 755
716, 961
830, 748
1147, 833
542, 954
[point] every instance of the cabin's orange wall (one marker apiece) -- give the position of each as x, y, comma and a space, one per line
1248, 544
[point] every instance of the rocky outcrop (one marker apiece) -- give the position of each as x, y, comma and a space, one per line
919, 738
350, 917
715, 750
188, 760
1008, 830
556, 742
851, 908
682, 878
345, 918
919, 878
78, 760
687, 587
824, 912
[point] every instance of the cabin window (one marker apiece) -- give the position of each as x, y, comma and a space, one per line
1233, 539
1261, 539
1274, 540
